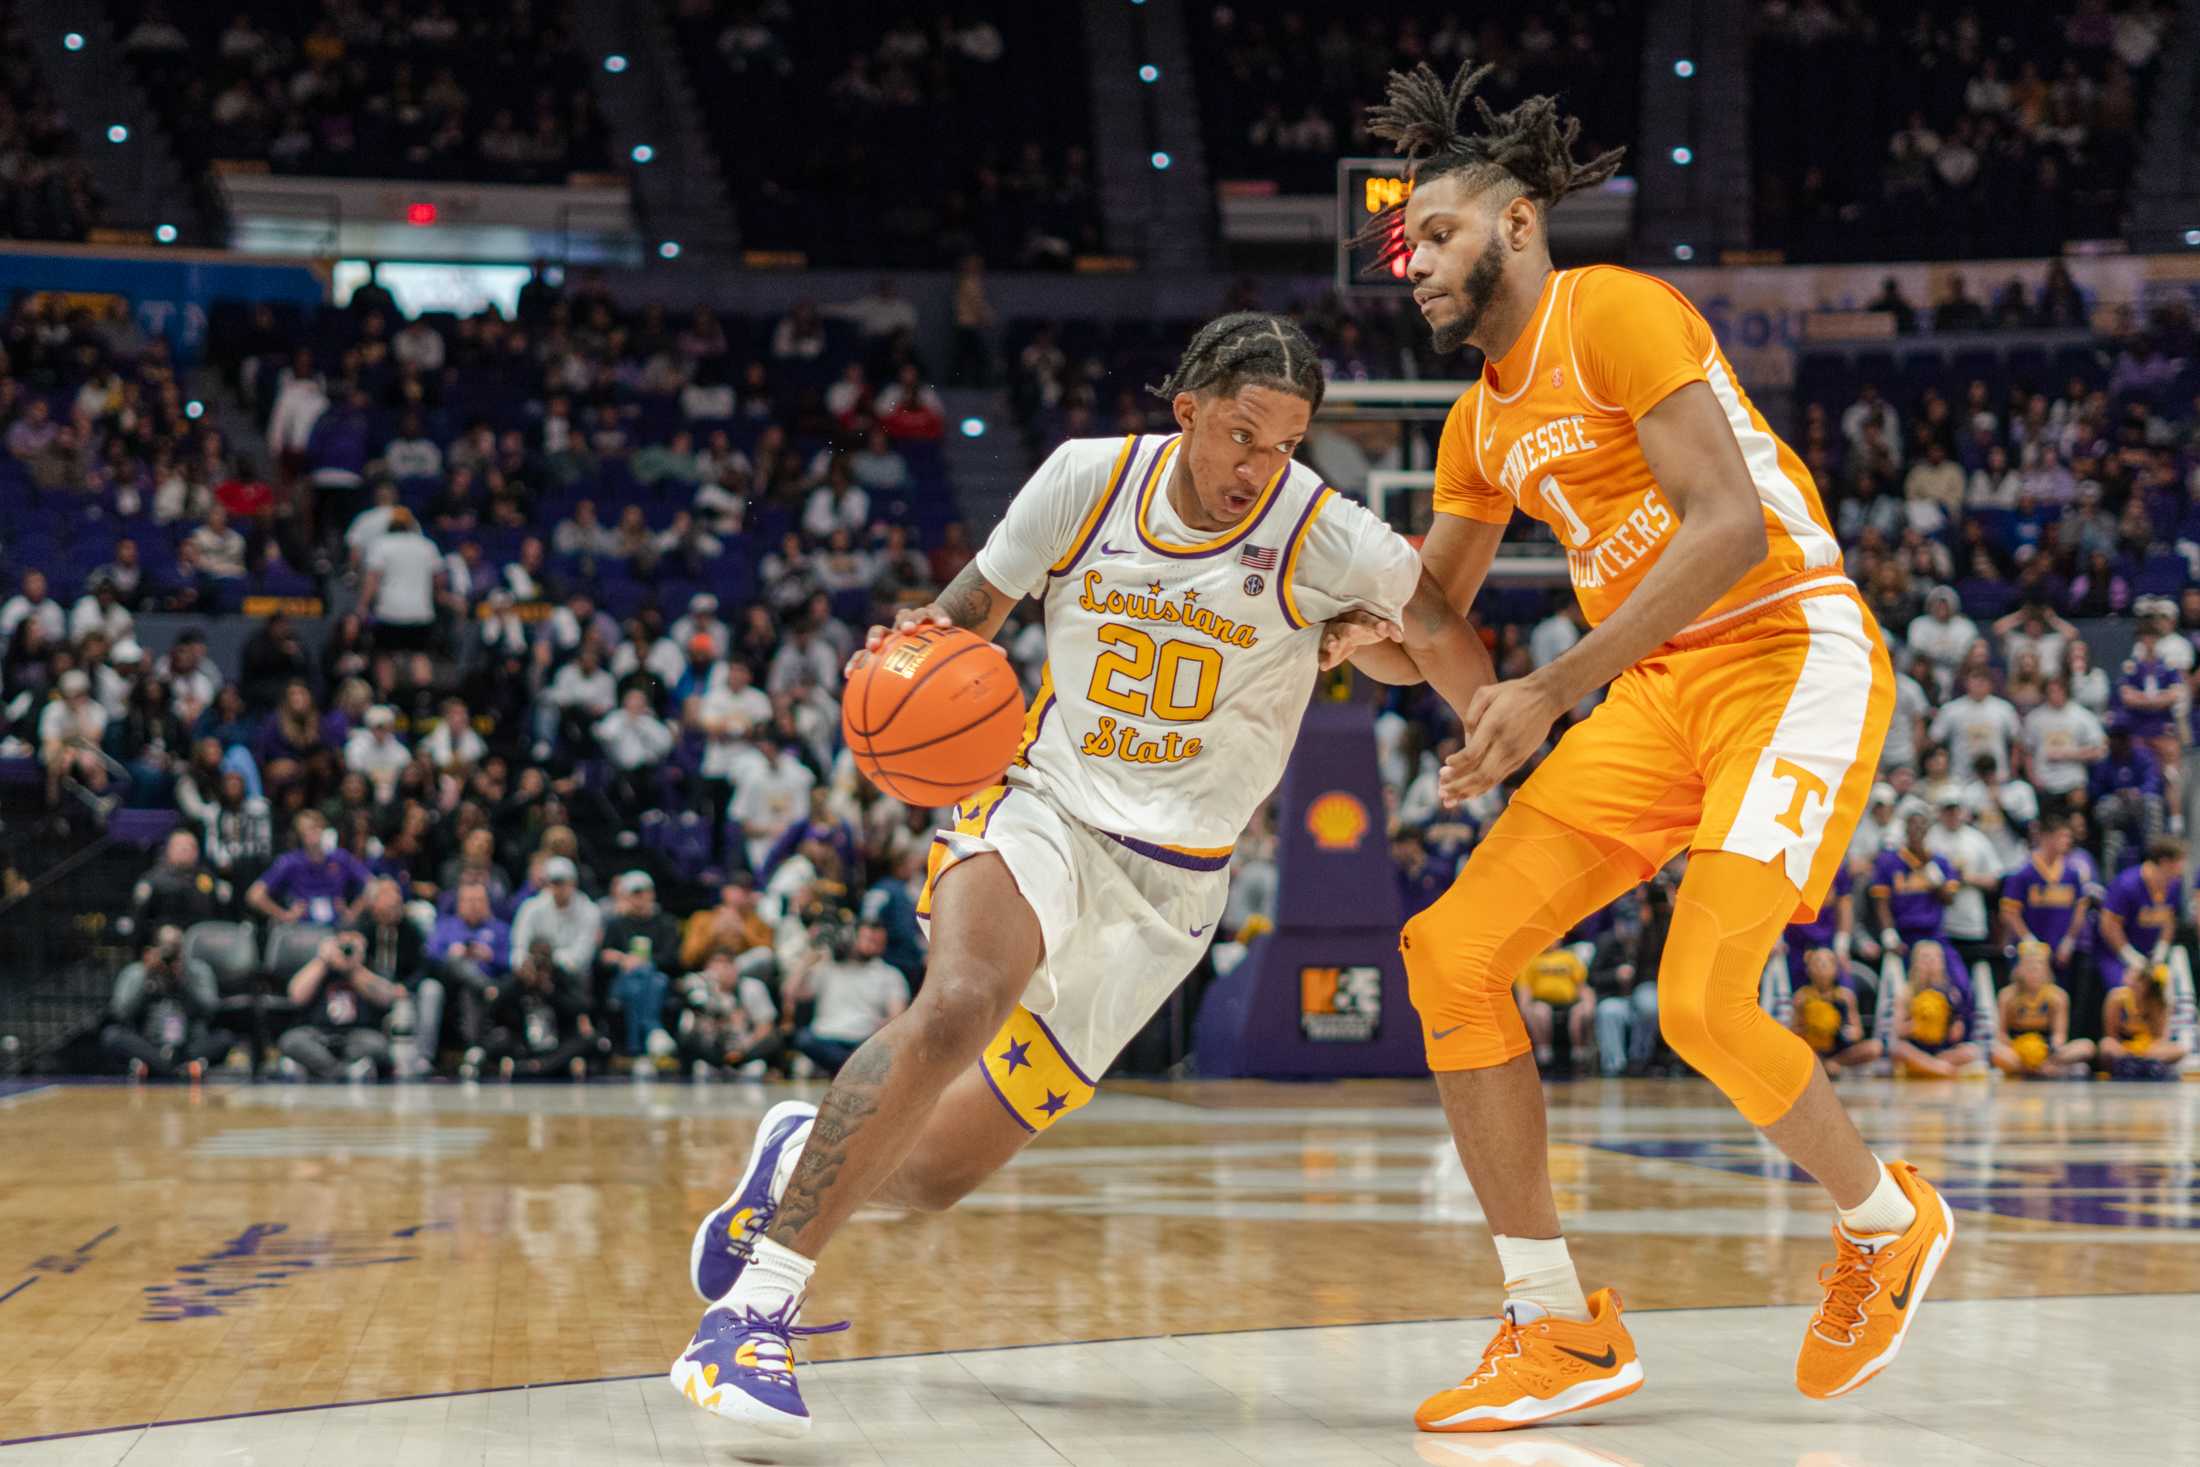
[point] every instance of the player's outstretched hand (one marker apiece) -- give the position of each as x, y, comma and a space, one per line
932, 614
1506, 722
1344, 635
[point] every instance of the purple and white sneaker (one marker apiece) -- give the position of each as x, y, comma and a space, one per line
728, 1235
740, 1365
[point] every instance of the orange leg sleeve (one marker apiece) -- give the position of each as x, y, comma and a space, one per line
1527, 884
1726, 917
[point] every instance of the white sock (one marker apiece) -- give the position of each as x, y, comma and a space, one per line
1887, 1210
775, 1274
1540, 1271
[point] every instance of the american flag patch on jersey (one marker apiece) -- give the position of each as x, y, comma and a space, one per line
1259, 557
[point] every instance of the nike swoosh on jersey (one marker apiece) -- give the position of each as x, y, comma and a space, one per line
1108, 549
1900, 1298
1605, 1361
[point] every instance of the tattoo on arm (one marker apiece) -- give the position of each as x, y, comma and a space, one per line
968, 599
853, 1100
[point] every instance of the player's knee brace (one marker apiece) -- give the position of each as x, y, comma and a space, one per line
1461, 987
1708, 1012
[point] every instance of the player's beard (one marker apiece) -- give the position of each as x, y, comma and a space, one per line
1474, 296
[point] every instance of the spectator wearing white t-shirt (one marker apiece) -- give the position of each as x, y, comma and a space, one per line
404, 570
856, 997
771, 790
2062, 739
33, 603
2004, 811
1942, 635
376, 752
101, 610
1970, 912
453, 746
69, 730
837, 504
1978, 723
2038, 630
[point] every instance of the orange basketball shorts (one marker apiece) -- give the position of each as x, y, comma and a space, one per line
1761, 740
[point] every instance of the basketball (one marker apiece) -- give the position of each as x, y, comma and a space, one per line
933, 716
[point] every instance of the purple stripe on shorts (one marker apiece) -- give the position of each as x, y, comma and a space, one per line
1168, 857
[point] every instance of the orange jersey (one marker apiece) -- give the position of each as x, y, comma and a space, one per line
1550, 430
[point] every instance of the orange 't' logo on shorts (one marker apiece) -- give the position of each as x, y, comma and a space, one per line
1807, 786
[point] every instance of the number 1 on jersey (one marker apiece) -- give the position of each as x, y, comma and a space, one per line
1555, 497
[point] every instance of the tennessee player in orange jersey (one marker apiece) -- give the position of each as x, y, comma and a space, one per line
1748, 697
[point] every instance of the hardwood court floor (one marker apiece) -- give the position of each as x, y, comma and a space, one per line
168, 1257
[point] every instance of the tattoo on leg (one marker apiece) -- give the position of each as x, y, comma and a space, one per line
853, 1100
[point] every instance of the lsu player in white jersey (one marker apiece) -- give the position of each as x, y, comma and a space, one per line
1186, 579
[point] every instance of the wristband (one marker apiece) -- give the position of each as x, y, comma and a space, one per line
1842, 942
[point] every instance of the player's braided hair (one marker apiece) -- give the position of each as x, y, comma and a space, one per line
1528, 151
1248, 349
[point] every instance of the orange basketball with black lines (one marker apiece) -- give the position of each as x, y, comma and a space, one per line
933, 716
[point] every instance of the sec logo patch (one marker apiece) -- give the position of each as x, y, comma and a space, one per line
1254, 585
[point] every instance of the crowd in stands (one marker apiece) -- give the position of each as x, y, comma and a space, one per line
867, 133
2007, 129
45, 190
595, 571
1284, 93
494, 93
556, 782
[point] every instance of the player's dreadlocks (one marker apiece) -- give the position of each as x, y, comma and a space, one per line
1528, 151
1248, 349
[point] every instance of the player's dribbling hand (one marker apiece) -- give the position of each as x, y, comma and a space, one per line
928, 615
1506, 722
1344, 635
931, 614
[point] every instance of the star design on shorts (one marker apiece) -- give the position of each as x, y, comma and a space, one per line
1054, 1104
1017, 1053
1154, 589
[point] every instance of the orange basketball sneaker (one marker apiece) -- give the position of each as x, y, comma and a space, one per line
1873, 1288
1538, 1367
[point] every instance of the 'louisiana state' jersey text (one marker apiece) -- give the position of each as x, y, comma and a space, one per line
1179, 662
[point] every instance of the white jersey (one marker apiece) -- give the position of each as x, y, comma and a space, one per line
1179, 664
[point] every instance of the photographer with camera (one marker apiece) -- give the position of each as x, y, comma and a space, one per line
398, 950
733, 1020
344, 1001
538, 1022
161, 1015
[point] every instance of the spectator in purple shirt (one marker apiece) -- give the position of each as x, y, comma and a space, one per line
2147, 694
2049, 898
2139, 914
2124, 791
1911, 888
312, 883
336, 455
475, 949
